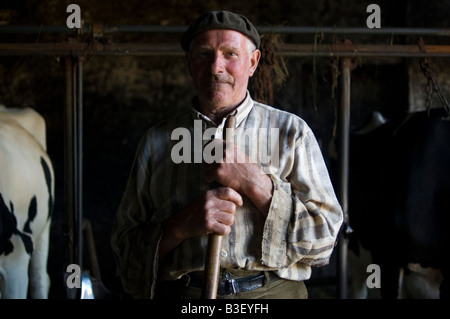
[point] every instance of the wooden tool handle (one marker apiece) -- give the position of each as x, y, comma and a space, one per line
214, 248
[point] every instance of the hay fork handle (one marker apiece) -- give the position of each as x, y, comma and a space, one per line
214, 248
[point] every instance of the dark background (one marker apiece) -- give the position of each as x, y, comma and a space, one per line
124, 95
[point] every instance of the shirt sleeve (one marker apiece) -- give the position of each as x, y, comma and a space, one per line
305, 216
134, 238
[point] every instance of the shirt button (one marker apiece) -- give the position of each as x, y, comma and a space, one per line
223, 253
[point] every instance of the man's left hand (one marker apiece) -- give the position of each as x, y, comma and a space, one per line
239, 172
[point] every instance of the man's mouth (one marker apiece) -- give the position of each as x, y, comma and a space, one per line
218, 79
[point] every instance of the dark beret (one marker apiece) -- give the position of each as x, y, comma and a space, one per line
220, 20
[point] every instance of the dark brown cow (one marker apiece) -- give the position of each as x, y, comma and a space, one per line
399, 195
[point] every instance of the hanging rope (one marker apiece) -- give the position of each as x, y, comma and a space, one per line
432, 84
272, 71
318, 38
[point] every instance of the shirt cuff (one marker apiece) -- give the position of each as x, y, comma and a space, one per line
276, 227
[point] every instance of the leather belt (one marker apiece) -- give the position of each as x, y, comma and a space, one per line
230, 286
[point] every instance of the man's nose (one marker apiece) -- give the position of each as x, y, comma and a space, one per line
218, 64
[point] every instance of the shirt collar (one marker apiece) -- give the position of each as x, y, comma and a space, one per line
240, 112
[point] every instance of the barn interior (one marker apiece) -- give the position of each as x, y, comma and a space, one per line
124, 92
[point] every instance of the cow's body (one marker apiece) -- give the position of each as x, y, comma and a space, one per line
400, 196
26, 201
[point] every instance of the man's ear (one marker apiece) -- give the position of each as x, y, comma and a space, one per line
254, 60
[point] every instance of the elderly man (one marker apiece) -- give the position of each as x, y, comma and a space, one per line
278, 214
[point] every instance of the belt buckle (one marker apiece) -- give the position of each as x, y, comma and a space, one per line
231, 282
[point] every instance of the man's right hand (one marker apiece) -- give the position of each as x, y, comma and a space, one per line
211, 213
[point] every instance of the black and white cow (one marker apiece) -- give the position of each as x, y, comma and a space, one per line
399, 199
26, 202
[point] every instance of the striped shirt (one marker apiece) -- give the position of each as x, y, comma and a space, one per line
299, 231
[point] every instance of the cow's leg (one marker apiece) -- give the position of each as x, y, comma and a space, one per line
15, 271
358, 272
444, 289
2, 281
390, 271
39, 279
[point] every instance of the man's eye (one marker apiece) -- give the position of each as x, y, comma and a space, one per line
203, 53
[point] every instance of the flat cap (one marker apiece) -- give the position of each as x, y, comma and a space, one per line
220, 20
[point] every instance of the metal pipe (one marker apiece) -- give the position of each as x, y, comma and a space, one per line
74, 48
347, 64
362, 50
75, 180
38, 29
34, 29
73, 157
78, 157
72, 160
92, 251
355, 30
68, 160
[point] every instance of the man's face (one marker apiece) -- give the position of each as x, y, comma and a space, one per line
220, 65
